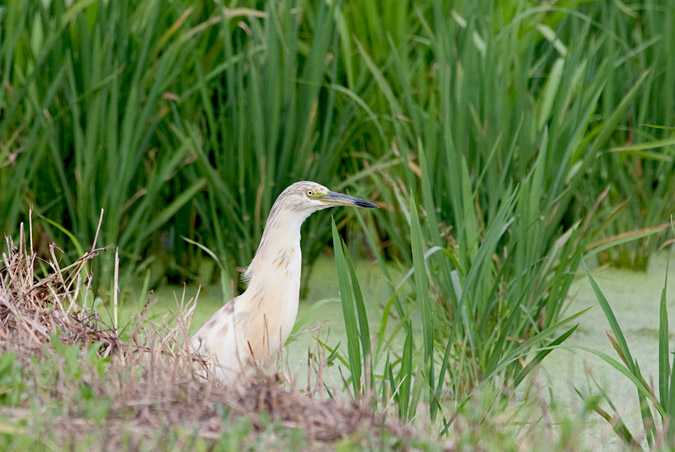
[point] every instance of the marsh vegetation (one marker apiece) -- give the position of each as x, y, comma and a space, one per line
510, 144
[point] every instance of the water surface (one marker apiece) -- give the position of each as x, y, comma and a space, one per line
634, 298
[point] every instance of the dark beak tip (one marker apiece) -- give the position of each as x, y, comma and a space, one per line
344, 200
362, 203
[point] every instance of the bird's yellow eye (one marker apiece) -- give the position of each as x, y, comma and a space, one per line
309, 193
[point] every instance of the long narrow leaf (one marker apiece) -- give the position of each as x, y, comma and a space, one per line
351, 325
422, 292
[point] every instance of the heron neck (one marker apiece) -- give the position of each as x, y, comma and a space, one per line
278, 256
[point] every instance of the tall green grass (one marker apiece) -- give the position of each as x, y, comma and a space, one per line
481, 90
638, 162
270, 120
179, 121
503, 140
440, 362
501, 126
187, 120
89, 90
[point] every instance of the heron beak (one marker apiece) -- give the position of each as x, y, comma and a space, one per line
338, 199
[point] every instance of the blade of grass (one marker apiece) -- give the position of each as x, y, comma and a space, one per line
422, 292
351, 326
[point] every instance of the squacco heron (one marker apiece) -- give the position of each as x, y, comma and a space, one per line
251, 328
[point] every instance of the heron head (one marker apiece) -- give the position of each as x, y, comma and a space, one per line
313, 196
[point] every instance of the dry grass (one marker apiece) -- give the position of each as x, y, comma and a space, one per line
32, 308
146, 384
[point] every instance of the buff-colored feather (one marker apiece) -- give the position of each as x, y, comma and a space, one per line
251, 328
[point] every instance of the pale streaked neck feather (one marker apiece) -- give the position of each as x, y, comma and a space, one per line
279, 245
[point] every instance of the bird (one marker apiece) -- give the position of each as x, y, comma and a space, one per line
249, 330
